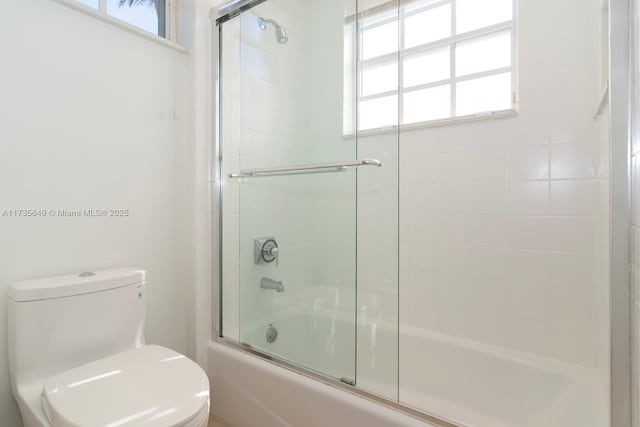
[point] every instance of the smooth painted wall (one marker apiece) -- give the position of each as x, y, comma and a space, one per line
93, 117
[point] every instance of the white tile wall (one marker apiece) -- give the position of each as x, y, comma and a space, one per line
573, 198
529, 198
489, 165
529, 162
572, 161
500, 216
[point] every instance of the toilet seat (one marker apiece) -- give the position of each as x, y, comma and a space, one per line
148, 386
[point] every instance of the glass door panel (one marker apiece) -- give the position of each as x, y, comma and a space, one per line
295, 255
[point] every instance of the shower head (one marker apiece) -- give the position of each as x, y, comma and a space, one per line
281, 32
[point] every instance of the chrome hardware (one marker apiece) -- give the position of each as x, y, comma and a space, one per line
267, 283
272, 334
281, 32
232, 6
265, 250
348, 381
338, 166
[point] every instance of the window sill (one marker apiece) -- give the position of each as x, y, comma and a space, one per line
435, 123
123, 25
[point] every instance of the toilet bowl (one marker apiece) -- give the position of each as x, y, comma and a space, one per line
77, 356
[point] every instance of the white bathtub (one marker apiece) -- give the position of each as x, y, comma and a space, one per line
480, 385
250, 392
471, 383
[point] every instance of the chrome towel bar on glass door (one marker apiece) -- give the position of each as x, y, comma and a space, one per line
338, 166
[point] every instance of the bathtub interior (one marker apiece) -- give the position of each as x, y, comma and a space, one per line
470, 383
486, 385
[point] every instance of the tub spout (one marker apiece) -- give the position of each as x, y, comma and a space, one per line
267, 283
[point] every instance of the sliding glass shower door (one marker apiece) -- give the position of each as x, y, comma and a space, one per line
416, 200
290, 183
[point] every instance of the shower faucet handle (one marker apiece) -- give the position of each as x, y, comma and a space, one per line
266, 250
272, 251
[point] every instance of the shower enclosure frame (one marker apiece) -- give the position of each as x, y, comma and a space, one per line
620, 56
620, 405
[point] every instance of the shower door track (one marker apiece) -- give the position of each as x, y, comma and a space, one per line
231, 9
422, 416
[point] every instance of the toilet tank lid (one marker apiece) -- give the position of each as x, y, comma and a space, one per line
74, 284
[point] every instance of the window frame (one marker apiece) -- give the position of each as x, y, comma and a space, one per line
451, 42
170, 21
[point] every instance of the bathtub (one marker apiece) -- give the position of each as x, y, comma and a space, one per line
470, 383
248, 391
477, 384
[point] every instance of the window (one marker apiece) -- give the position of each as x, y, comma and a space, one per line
433, 60
148, 15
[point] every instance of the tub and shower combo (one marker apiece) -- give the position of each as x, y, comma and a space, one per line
412, 208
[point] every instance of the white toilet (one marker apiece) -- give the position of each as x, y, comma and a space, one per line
77, 356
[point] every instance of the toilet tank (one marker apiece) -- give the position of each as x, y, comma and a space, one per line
58, 323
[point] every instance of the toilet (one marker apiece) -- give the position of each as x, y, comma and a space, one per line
77, 356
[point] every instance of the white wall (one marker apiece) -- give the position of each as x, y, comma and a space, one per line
93, 116
198, 32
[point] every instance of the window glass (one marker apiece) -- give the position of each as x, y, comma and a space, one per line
378, 112
483, 53
417, 4
380, 78
474, 14
427, 104
147, 15
428, 26
380, 40
433, 84
428, 67
491, 93
374, 17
